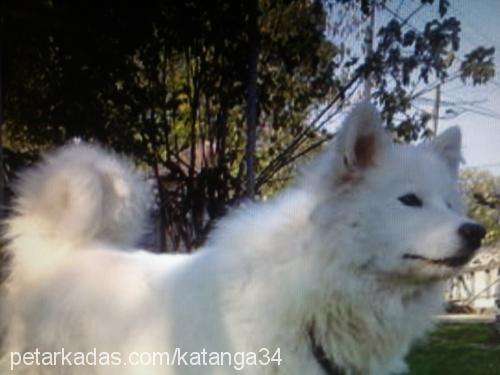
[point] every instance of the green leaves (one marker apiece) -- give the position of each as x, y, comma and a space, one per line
479, 66
166, 84
482, 196
443, 7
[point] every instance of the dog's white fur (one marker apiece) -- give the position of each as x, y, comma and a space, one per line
326, 254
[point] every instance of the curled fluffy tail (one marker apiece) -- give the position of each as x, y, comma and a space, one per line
77, 195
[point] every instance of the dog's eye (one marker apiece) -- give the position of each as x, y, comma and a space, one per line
410, 200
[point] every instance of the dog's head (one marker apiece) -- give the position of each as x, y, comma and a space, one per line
395, 209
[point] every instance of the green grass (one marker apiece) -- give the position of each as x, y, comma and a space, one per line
457, 349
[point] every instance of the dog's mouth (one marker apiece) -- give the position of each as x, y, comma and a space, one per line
456, 261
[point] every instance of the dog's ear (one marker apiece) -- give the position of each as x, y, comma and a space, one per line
360, 140
448, 145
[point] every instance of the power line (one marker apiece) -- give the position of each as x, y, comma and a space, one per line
401, 2
406, 21
397, 15
476, 29
489, 165
480, 111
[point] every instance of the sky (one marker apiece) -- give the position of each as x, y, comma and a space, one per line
480, 125
479, 106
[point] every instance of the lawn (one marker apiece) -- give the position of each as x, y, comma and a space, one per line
458, 349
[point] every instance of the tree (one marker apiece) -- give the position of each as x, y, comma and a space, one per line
173, 93
405, 64
482, 197
173, 96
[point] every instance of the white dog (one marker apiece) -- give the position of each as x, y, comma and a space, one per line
339, 274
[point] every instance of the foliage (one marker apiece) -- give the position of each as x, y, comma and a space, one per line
482, 195
171, 96
478, 66
406, 58
166, 83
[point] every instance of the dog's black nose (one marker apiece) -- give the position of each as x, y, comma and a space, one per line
472, 234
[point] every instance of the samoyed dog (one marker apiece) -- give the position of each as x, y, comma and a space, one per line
338, 274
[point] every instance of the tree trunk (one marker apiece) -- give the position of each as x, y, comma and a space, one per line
162, 212
251, 99
2, 171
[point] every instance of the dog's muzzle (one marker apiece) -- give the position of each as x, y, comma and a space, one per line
471, 235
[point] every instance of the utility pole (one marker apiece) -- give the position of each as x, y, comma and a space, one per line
369, 47
435, 114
